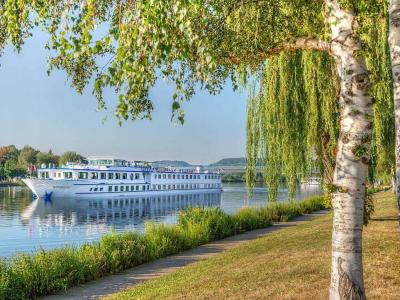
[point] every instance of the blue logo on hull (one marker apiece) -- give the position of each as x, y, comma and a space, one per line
47, 196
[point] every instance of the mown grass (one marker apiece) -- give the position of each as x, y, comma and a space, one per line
292, 263
28, 276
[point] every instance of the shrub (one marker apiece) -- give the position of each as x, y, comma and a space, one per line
30, 276
5, 284
215, 222
163, 240
123, 250
93, 262
44, 273
250, 218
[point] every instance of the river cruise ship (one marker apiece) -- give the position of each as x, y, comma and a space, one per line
112, 177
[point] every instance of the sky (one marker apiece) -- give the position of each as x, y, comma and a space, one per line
45, 112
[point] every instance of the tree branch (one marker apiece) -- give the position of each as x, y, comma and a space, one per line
298, 44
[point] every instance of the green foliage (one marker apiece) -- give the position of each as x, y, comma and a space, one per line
125, 46
359, 151
233, 177
15, 22
369, 207
241, 177
27, 156
253, 136
293, 119
12, 169
30, 276
375, 34
216, 223
8, 153
9, 163
165, 240
70, 156
14, 162
46, 158
317, 125
122, 251
369, 204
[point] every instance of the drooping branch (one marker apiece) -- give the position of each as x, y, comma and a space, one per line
293, 120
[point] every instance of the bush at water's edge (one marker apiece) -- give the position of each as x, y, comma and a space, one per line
28, 276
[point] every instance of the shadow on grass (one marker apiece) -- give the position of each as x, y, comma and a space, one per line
385, 219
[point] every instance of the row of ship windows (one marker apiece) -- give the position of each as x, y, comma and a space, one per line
183, 186
184, 176
132, 188
109, 175
93, 175
123, 176
121, 188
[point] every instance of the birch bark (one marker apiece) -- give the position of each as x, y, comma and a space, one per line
394, 45
352, 156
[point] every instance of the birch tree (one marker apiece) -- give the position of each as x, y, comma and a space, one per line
394, 42
200, 44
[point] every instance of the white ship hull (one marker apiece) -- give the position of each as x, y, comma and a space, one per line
43, 188
118, 178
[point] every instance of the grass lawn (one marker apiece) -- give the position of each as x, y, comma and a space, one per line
293, 263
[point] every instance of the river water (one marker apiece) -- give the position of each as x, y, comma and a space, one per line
27, 225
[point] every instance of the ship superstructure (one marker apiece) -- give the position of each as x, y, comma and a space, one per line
117, 177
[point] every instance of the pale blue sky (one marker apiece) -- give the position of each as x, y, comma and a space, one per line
43, 111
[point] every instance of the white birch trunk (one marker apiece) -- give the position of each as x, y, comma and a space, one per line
394, 45
352, 157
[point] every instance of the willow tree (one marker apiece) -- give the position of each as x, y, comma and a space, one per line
293, 120
302, 108
127, 45
375, 34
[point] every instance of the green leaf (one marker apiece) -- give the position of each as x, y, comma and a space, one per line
175, 106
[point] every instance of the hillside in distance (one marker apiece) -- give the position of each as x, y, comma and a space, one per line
236, 161
171, 163
240, 161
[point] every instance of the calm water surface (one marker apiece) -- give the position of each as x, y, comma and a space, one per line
27, 225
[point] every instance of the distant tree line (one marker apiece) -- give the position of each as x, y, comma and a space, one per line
240, 177
16, 162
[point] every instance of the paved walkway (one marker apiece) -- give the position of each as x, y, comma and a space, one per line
114, 283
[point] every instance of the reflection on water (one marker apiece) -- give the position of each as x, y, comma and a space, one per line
235, 196
26, 224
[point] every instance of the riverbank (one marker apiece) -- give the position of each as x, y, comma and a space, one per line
11, 183
167, 265
28, 276
293, 263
